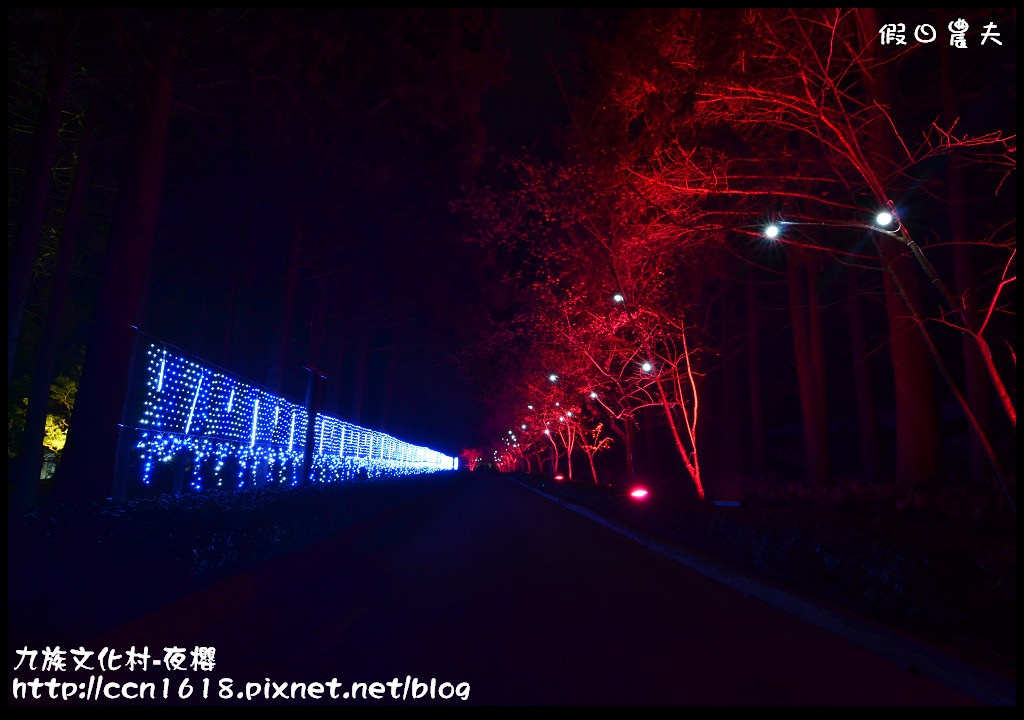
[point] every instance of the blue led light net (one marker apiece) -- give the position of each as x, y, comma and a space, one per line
220, 431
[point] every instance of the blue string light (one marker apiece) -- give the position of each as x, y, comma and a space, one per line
192, 411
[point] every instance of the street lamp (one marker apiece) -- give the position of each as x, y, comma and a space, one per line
886, 222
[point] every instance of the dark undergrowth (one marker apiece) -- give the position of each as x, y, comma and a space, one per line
945, 572
77, 570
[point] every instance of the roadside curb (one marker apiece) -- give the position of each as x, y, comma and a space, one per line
909, 653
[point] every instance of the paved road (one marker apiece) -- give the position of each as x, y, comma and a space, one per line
531, 604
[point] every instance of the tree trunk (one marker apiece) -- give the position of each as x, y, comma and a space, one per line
690, 461
387, 414
88, 467
815, 435
816, 334
650, 446
287, 309
360, 381
867, 413
554, 456
21, 257
625, 433
629, 443
918, 445
817, 337
754, 374
979, 392
30, 458
314, 396
241, 303
729, 445
228, 322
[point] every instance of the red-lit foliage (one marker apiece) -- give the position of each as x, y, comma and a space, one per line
583, 238
697, 129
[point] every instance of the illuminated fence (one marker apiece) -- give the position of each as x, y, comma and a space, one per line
215, 429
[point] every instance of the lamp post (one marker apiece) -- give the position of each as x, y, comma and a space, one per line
688, 456
887, 222
314, 388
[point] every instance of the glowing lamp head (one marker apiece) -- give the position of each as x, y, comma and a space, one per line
523, 426
884, 219
646, 367
771, 232
617, 297
593, 395
638, 493
552, 377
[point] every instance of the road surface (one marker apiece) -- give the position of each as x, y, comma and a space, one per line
515, 600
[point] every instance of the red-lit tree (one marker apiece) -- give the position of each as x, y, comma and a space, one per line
592, 441
605, 271
797, 108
